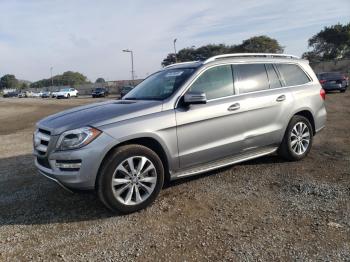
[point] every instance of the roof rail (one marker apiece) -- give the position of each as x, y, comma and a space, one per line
182, 63
213, 58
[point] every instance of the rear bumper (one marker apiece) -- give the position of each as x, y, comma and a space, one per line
320, 119
331, 87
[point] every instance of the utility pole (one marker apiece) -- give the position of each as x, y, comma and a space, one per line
175, 49
132, 64
51, 68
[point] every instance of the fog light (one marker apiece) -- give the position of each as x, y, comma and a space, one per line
68, 164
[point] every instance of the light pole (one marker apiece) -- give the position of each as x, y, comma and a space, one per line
132, 64
51, 78
175, 49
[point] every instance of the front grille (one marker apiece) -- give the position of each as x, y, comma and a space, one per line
41, 141
43, 162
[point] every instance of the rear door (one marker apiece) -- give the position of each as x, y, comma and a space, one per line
264, 104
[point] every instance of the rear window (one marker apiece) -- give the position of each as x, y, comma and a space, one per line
330, 75
292, 74
250, 78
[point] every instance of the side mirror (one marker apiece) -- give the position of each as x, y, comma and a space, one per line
195, 97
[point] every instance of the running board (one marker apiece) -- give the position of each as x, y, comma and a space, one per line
223, 162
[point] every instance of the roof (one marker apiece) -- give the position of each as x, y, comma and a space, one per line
249, 57
191, 64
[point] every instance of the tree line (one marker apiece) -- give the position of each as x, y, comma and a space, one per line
68, 78
256, 44
332, 42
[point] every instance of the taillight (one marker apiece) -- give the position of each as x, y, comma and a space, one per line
322, 81
323, 93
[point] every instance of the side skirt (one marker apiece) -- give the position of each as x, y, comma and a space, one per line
223, 162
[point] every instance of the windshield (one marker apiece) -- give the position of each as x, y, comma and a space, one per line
98, 89
160, 85
64, 90
126, 88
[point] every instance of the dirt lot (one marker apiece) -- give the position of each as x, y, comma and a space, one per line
266, 209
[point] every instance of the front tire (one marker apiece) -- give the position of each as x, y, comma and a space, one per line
130, 179
297, 140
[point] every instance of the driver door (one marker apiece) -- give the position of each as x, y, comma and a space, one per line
211, 131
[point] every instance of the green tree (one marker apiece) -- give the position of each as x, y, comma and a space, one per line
68, 78
332, 42
260, 44
8, 81
170, 59
257, 44
23, 85
100, 80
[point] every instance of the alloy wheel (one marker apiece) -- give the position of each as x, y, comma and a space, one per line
300, 138
134, 180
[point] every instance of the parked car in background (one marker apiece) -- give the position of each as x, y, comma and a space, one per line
22, 95
99, 92
67, 93
124, 90
185, 119
46, 94
11, 94
37, 94
54, 93
333, 81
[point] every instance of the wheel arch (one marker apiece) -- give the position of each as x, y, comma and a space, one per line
149, 142
309, 116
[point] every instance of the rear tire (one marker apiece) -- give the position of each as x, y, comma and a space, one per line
130, 179
297, 140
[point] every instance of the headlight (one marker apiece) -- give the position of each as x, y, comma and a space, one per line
77, 138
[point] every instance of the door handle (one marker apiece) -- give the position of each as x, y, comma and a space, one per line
281, 98
234, 107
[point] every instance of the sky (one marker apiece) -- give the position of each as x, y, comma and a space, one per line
89, 36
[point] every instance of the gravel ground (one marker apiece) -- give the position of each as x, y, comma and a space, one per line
265, 209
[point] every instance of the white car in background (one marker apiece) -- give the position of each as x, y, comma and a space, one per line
67, 93
37, 94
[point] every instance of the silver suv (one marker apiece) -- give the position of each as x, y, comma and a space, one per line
185, 119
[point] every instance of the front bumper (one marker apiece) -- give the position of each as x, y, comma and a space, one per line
90, 157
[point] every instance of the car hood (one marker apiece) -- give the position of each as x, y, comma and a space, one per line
98, 114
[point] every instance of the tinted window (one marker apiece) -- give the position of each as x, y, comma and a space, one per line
251, 77
273, 77
215, 82
330, 75
292, 74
